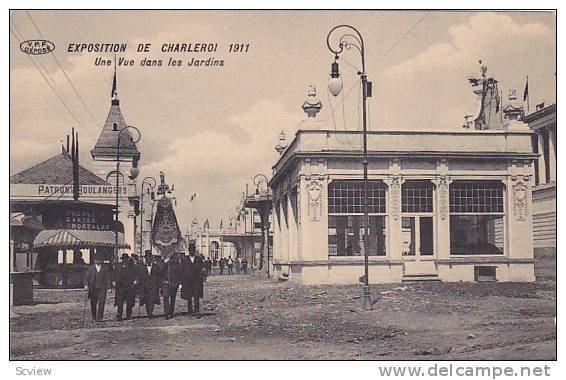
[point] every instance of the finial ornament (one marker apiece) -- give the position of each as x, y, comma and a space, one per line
312, 105
282, 144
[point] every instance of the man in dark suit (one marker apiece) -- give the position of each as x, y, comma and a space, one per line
97, 282
126, 279
150, 283
173, 269
192, 289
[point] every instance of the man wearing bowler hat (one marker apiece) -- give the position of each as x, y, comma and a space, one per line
192, 289
97, 282
126, 279
150, 282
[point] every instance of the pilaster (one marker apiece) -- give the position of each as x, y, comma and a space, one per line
312, 205
541, 160
442, 211
395, 238
519, 239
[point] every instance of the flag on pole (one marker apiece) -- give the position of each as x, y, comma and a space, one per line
526, 94
526, 91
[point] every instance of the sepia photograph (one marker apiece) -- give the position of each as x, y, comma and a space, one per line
308, 185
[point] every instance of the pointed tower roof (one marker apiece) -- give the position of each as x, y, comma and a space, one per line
107, 143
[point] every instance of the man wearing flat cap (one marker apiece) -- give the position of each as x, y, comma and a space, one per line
126, 280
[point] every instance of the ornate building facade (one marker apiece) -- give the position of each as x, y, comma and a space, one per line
443, 205
542, 123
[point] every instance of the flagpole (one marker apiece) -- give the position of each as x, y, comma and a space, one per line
528, 100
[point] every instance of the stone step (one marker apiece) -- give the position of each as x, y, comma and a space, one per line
417, 277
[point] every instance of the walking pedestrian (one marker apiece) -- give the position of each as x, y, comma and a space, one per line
230, 264
171, 279
192, 290
238, 265
97, 282
150, 282
208, 265
126, 279
221, 265
245, 266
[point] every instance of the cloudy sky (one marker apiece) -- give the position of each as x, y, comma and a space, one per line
212, 129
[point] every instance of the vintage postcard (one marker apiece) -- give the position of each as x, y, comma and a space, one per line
284, 185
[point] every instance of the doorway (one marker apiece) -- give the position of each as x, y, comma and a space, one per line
418, 237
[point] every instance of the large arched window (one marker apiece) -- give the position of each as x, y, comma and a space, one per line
345, 218
214, 250
477, 218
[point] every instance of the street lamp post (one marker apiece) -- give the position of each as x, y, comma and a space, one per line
152, 183
346, 41
264, 207
118, 178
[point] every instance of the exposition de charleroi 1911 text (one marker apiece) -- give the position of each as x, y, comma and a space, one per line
163, 48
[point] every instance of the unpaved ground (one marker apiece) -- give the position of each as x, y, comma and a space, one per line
249, 318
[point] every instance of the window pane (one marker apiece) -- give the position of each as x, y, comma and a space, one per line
348, 197
346, 233
476, 234
416, 196
476, 197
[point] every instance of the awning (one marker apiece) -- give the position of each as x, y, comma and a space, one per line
78, 239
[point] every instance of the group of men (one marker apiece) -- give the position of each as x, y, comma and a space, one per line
228, 263
150, 281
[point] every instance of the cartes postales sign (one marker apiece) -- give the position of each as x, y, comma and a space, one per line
86, 220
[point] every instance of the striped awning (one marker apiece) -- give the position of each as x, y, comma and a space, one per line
78, 239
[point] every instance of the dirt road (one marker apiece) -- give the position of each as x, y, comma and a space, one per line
249, 318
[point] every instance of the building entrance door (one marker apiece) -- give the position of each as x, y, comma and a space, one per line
418, 244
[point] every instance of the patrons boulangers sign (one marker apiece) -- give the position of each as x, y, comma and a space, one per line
62, 192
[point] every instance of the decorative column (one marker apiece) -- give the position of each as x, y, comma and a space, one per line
552, 152
395, 239
314, 224
442, 212
541, 160
276, 212
284, 229
519, 238
293, 254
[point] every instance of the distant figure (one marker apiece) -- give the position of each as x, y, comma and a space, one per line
125, 278
97, 282
245, 266
208, 265
192, 290
238, 265
150, 283
221, 265
230, 264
